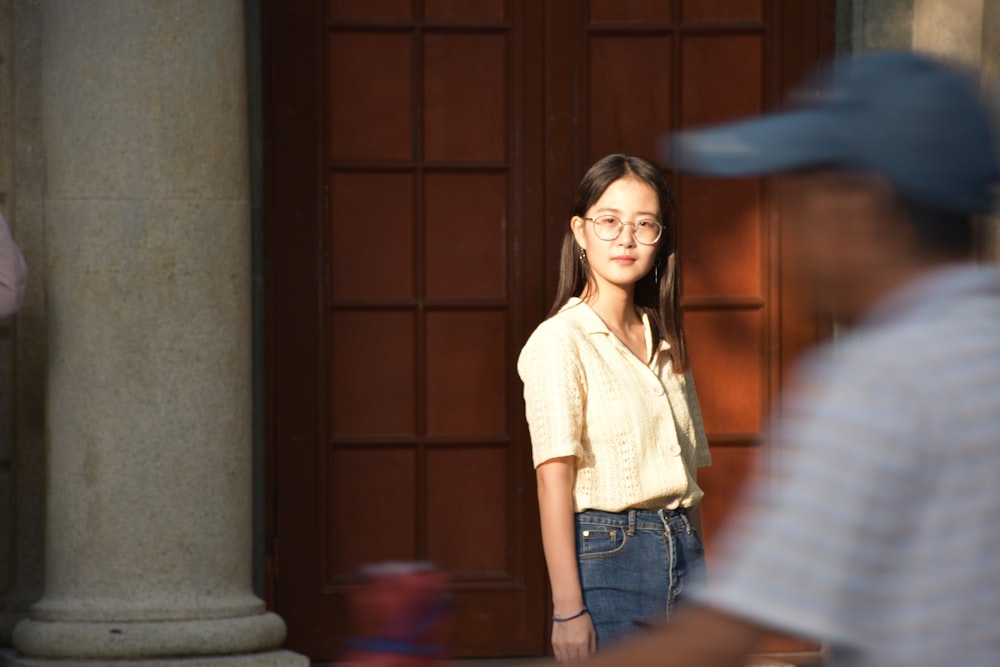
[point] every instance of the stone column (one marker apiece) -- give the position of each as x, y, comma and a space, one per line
147, 234
952, 29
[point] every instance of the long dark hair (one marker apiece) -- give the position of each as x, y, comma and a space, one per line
660, 301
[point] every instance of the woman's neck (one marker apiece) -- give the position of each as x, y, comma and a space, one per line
614, 304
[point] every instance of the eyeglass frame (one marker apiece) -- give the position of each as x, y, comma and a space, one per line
621, 228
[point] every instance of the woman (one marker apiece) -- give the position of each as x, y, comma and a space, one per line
616, 430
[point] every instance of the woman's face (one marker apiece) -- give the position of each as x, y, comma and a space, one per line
624, 260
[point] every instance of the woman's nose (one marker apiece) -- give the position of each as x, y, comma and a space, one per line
627, 236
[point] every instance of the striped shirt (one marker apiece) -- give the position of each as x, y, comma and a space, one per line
880, 530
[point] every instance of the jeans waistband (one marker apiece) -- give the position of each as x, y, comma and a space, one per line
632, 520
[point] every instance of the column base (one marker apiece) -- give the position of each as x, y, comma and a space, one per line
62, 640
10, 658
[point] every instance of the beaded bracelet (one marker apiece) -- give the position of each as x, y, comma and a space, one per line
570, 618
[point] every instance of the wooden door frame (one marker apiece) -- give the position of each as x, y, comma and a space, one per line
292, 292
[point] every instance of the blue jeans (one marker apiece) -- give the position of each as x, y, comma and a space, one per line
633, 566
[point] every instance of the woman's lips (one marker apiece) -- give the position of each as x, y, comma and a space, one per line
623, 259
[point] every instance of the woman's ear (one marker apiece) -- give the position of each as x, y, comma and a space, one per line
576, 224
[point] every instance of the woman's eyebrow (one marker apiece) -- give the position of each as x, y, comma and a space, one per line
618, 211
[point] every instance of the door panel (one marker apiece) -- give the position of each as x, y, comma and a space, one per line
370, 86
630, 92
465, 525
466, 374
464, 78
723, 248
725, 349
465, 232
388, 213
421, 159
373, 374
365, 488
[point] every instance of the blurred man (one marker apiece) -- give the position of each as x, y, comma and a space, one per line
881, 532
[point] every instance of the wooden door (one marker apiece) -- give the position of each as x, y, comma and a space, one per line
421, 159
398, 430
633, 69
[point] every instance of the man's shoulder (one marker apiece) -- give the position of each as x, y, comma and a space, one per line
917, 373
948, 321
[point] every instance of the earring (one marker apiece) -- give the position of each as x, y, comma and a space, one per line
656, 273
583, 255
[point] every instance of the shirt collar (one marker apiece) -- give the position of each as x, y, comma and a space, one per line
585, 316
591, 322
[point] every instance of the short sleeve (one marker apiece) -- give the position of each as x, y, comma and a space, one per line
554, 392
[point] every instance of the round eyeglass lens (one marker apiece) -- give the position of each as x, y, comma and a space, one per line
646, 231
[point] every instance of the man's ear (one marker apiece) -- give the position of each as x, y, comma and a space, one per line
892, 229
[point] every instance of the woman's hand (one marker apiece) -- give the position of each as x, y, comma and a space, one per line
575, 639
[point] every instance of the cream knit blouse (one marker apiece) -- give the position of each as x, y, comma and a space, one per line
635, 429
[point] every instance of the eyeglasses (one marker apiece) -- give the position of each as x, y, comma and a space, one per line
647, 231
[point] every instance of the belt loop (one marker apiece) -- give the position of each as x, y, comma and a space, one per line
631, 523
687, 521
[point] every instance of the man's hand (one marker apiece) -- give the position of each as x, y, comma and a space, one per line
697, 637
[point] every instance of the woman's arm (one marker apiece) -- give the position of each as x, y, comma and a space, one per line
575, 639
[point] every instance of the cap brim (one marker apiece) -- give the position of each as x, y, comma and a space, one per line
780, 142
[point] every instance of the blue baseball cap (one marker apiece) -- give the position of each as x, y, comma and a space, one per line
911, 118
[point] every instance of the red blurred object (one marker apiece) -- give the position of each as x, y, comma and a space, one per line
400, 613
